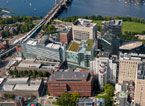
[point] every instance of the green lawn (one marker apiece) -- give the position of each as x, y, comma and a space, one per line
128, 26
99, 22
133, 27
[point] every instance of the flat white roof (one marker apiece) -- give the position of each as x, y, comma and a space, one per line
85, 23
12, 81
53, 46
8, 87
29, 65
113, 22
1, 80
130, 46
26, 87
32, 42
11, 62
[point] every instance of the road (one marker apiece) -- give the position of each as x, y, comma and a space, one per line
45, 20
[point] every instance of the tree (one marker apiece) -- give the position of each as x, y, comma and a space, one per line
49, 29
40, 74
67, 99
5, 34
109, 90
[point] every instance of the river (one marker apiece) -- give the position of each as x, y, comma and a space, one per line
77, 8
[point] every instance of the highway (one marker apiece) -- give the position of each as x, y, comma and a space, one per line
44, 21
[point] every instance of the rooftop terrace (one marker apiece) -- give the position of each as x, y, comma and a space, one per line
74, 46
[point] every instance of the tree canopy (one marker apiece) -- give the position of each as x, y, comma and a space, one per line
67, 99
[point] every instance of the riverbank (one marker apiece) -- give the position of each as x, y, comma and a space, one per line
5, 13
130, 28
130, 24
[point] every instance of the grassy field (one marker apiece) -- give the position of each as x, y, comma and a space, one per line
133, 27
99, 22
128, 26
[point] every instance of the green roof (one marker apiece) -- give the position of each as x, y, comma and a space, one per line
90, 43
74, 46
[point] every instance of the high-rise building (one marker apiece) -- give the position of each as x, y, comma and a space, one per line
84, 29
140, 85
102, 75
111, 67
113, 26
128, 66
65, 36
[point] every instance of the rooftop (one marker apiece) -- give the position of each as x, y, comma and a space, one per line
1, 80
27, 87
84, 23
8, 87
85, 100
32, 42
72, 76
74, 46
131, 45
90, 43
53, 46
21, 84
12, 81
113, 22
29, 65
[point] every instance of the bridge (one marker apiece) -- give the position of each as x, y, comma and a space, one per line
44, 21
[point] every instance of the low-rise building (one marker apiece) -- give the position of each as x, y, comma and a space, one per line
79, 82
90, 102
43, 49
132, 47
85, 102
23, 87
36, 65
2, 80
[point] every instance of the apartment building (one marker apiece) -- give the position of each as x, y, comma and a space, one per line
112, 26
110, 67
128, 66
139, 97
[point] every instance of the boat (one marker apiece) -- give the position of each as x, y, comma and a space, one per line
30, 4
5, 11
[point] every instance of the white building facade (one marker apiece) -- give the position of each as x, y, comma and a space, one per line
111, 68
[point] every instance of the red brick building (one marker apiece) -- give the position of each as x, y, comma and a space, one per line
80, 82
65, 36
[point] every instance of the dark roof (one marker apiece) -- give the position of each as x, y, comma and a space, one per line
85, 100
70, 75
7, 104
